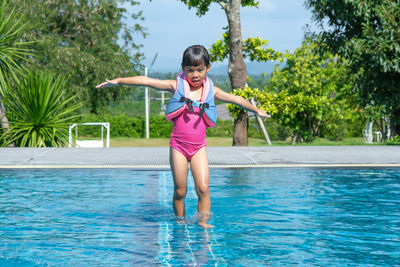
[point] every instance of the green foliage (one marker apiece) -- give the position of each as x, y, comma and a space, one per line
225, 128
298, 112
253, 48
120, 125
323, 83
79, 39
12, 50
311, 95
39, 109
222, 129
367, 34
247, 93
124, 126
12, 53
202, 6
394, 141
159, 126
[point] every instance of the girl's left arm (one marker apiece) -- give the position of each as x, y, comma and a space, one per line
219, 94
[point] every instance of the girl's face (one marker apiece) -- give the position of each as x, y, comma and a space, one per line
196, 74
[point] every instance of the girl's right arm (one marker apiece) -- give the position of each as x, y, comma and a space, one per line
168, 85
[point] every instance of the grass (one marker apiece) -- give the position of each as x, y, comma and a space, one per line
138, 142
154, 142
227, 141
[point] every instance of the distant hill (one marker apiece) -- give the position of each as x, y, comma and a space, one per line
253, 68
219, 72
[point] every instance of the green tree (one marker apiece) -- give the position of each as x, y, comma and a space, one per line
12, 52
233, 47
79, 39
367, 34
39, 108
311, 95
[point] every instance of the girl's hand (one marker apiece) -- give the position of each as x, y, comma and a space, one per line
263, 113
108, 83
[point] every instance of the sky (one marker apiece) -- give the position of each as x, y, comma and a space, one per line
172, 27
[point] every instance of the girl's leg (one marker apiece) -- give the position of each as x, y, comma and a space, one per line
179, 168
201, 175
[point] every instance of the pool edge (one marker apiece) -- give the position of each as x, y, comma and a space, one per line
212, 166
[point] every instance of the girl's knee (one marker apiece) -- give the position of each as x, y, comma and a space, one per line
203, 190
180, 193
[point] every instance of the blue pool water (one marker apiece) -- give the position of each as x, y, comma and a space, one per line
262, 217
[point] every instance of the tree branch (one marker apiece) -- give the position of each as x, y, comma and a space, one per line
223, 4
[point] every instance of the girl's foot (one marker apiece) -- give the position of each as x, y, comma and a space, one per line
203, 219
205, 225
181, 220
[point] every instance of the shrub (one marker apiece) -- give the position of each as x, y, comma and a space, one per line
160, 127
39, 108
120, 125
222, 129
124, 126
395, 141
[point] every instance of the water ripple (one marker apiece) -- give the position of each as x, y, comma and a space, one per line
323, 217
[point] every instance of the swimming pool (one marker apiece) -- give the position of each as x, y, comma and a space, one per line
267, 216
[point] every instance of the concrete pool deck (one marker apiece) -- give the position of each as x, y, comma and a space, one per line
219, 157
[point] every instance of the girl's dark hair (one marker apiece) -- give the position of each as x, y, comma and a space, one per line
194, 55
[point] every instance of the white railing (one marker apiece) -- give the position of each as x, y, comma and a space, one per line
89, 143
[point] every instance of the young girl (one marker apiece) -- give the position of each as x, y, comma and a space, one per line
192, 110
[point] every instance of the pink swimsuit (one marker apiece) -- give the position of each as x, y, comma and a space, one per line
189, 133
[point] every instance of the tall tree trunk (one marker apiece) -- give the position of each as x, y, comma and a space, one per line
237, 68
240, 127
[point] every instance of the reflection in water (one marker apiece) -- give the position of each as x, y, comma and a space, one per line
183, 243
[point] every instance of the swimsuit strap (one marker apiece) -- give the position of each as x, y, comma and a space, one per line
188, 102
203, 107
190, 105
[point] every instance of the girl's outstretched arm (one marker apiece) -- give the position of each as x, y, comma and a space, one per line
168, 85
238, 100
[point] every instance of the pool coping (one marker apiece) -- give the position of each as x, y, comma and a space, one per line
165, 167
219, 157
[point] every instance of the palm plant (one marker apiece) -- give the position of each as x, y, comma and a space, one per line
12, 51
39, 109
